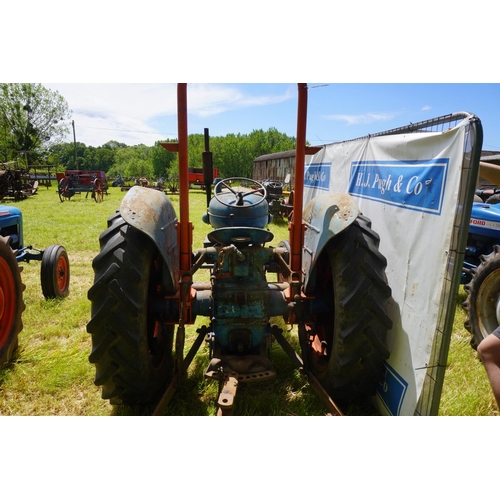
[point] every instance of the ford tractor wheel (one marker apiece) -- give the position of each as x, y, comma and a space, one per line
54, 272
347, 343
131, 343
11, 301
482, 304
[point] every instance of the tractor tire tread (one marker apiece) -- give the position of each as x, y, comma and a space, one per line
118, 298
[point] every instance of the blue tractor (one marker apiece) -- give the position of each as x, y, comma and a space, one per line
145, 293
54, 275
481, 267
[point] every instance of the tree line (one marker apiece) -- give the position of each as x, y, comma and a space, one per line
34, 120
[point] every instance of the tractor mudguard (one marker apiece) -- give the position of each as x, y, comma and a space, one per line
151, 212
324, 217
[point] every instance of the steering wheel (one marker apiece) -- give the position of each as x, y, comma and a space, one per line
240, 192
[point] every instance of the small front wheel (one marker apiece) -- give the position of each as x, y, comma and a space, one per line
55, 272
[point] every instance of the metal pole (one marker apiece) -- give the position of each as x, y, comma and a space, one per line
300, 155
185, 227
208, 171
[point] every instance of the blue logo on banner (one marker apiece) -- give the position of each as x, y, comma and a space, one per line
317, 175
413, 184
392, 390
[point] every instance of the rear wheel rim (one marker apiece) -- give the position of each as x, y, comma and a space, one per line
487, 303
7, 305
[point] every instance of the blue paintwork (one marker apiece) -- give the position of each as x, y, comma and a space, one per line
222, 216
484, 233
10, 217
487, 214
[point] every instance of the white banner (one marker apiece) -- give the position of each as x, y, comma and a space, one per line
408, 185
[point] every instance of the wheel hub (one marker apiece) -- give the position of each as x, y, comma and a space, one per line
488, 303
62, 272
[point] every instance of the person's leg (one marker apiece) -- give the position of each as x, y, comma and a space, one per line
489, 351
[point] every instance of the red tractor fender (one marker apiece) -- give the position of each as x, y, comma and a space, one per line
323, 218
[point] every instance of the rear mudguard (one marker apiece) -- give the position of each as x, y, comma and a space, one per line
151, 212
323, 217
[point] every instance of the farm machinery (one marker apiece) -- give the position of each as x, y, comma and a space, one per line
481, 267
82, 181
327, 280
16, 183
54, 276
279, 206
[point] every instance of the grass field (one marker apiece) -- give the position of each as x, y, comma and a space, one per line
51, 374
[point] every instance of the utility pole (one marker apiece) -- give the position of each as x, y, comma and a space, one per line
74, 143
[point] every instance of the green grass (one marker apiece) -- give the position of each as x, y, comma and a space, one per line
466, 388
51, 374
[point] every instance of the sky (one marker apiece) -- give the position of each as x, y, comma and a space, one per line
374, 71
142, 113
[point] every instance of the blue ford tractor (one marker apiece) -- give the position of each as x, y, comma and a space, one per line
54, 275
481, 268
145, 293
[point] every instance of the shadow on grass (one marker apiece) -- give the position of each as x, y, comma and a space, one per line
288, 394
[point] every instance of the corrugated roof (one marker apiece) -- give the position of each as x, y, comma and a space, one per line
491, 157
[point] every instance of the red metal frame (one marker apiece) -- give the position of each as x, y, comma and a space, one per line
185, 227
295, 228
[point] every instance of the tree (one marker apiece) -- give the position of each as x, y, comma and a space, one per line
114, 145
133, 161
161, 160
66, 154
32, 118
232, 155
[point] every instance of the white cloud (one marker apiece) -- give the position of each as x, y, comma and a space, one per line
210, 99
362, 119
426, 108
131, 112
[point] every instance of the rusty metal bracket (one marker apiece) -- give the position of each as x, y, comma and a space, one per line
320, 391
180, 373
227, 395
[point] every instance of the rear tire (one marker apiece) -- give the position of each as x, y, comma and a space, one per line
54, 272
347, 344
482, 304
131, 343
11, 301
